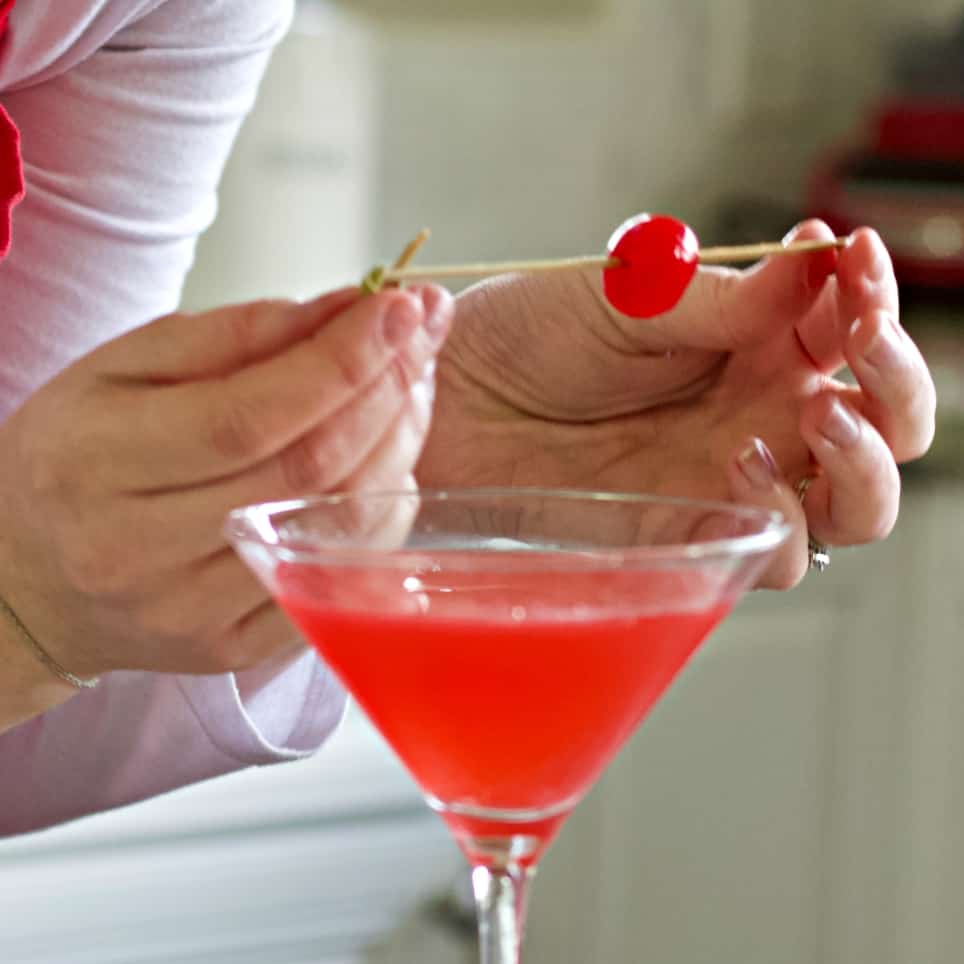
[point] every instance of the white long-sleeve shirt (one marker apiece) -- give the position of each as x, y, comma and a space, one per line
128, 110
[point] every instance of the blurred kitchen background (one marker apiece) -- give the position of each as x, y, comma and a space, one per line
797, 798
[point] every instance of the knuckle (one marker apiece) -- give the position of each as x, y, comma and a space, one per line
50, 459
237, 430
244, 324
403, 374
313, 464
48, 473
227, 651
158, 620
246, 644
351, 366
93, 565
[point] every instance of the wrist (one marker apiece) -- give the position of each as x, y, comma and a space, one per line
27, 686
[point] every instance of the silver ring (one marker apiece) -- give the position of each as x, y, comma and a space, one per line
818, 555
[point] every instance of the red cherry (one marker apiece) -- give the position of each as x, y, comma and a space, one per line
659, 256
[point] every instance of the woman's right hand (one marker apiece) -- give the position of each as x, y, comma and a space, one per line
117, 475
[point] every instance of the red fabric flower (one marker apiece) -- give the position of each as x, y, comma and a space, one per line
5, 7
11, 178
11, 164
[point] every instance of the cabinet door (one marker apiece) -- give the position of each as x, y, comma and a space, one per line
929, 848
755, 817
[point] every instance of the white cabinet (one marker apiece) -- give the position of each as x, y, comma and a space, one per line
797, 797
304, 863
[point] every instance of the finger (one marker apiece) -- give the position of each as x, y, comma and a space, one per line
866, 280
386, 522
211, 595
755, 479
183, 347
201, 431
725, 310
855, 497
329, 457
898, 394
342, 451
818, 331
393, 460
864, 283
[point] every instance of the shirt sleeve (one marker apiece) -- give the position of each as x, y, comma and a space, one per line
128, 110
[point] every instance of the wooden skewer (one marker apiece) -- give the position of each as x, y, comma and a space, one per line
721, 255
379, 277
753, 252
482, 269
411, 249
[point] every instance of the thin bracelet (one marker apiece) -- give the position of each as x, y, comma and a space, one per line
44, 656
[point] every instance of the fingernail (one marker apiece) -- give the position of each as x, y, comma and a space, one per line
884, 348
757, 465
840, 425
401, 320
879, 263
790, 235
438, 309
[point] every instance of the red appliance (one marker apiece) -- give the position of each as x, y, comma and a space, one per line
906, 179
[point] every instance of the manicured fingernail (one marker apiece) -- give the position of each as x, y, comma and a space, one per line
403, 317
437, 302
879, 263
757, 465
884, 348
790, 235
840, 425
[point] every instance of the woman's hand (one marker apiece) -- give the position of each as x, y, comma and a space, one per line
117, 476
730, 395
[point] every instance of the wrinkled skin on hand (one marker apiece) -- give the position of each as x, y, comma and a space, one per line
118, 474
731, 395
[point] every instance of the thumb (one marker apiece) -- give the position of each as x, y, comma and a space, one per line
724, 309
186, 347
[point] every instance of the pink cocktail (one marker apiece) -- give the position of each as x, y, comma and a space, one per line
506, 643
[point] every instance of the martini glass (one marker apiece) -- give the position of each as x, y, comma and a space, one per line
505, 642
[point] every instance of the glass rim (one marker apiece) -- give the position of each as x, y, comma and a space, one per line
250, 524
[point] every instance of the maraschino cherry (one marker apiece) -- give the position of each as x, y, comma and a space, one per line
650, 261
658, 256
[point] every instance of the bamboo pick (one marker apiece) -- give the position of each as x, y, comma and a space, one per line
720, 255
411, 249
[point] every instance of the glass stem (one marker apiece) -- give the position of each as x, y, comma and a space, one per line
501, 901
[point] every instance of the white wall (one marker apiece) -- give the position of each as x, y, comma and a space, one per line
539, 137
532, 137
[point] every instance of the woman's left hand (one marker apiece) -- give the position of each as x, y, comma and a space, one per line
730, 395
